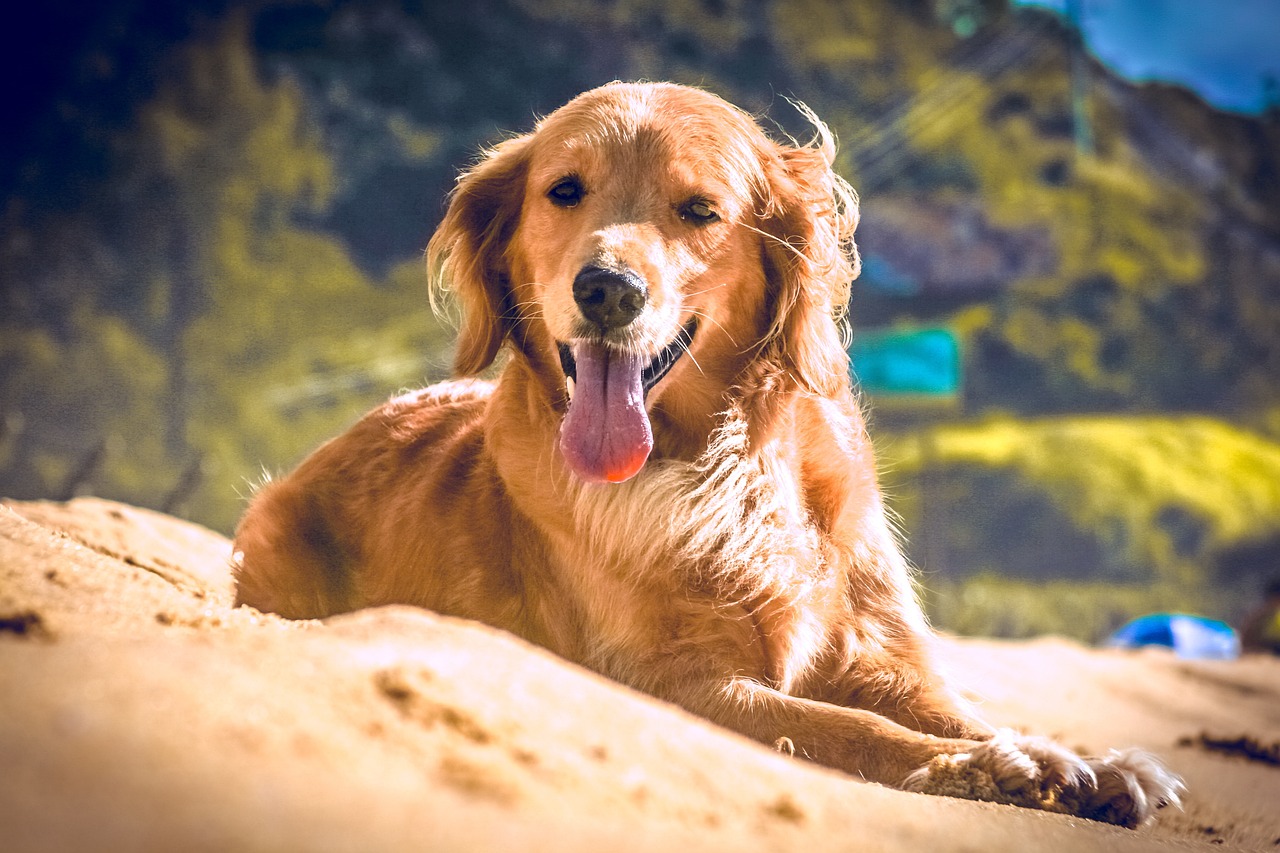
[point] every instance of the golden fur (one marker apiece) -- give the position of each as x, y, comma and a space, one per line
747, 571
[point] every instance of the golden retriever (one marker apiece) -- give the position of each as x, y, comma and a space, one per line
670, 482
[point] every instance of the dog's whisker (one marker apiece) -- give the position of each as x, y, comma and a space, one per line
703, 315
692, 358
791, 247
707, 289
534, 304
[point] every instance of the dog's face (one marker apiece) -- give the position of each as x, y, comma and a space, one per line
641, 248
633, 242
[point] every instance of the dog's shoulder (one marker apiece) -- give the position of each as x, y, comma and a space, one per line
444, 407
430, 422
456, 394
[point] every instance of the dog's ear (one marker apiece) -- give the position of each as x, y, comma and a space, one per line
808, 218
467, 254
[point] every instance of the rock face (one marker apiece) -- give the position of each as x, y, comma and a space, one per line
140, 711
947, 249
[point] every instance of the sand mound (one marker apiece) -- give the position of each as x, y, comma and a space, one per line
140, 711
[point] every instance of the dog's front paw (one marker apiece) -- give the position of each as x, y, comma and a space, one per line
1124, 788
1131, 785
1009, 768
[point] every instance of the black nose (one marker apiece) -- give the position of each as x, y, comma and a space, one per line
607, 298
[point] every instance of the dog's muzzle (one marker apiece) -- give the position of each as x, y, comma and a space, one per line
606, 436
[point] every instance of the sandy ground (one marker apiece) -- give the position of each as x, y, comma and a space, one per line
140, 711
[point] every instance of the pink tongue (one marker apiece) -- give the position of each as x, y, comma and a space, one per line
606, 436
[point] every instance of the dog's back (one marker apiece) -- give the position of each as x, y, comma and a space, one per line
327, 538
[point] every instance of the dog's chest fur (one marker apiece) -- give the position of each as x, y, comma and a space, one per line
713, 562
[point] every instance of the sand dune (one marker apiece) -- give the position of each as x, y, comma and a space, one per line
140, 711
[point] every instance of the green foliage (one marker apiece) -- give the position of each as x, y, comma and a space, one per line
1142, 308
319, 347
253, 338
294, 334
1135, 237
97, 394
1129, 505
990, 605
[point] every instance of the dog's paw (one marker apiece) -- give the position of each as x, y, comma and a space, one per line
1131, 785
1124, 788
1009, 768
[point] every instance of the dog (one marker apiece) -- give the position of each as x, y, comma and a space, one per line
670, 482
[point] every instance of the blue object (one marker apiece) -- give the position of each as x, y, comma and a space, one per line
880, 274
920, 362
1190, 637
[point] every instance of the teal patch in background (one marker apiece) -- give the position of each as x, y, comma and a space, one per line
921, 362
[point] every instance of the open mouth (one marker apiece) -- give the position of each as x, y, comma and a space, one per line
652, 373
605, 436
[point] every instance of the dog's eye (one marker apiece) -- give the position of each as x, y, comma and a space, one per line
698, 212
566, 193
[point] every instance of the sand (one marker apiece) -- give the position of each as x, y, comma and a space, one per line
140, 711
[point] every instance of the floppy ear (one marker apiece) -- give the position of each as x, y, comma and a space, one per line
467, 253
810, 261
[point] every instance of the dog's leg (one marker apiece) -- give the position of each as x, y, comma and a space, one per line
1125, 788
859, 742
288, 560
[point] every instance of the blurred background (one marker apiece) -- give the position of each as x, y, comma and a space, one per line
212, 219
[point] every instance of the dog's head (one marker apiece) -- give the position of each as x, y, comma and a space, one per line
649, 253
